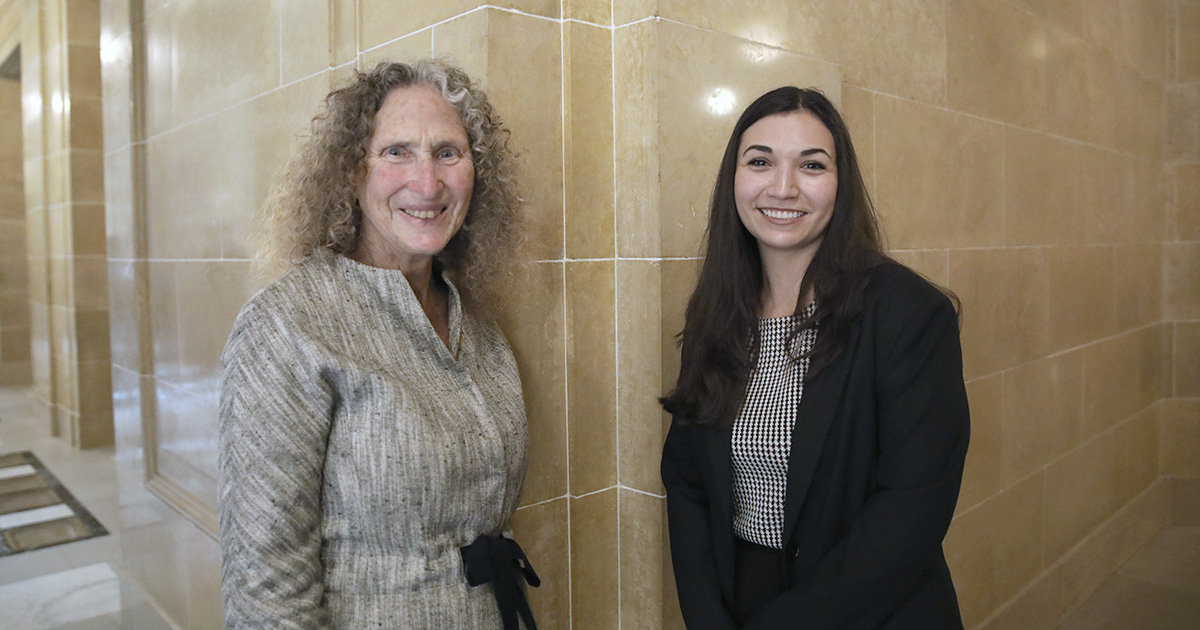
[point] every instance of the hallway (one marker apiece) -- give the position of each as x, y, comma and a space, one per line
1039, 159
77, 585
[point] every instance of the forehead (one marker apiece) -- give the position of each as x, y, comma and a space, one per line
415, 111
799, 130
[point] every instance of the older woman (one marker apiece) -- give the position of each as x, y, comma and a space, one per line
372, 430
820, 419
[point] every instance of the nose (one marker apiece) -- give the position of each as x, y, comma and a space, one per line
783, 185
426, 181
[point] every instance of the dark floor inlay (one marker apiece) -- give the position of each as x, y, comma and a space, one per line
39, 491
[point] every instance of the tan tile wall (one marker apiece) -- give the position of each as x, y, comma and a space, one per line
1014, 148
1181, 260
15, 364
64, 217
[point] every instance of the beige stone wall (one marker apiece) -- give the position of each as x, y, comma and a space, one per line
1181, 420
64, 216
14, 265
1015, 149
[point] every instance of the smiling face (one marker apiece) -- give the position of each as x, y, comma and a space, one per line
418, 183
786, 183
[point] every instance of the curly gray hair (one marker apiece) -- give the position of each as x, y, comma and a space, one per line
313, 204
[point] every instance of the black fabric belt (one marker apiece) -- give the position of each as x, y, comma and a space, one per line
500, 560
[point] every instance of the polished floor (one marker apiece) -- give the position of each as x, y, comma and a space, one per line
76, 585
79, 585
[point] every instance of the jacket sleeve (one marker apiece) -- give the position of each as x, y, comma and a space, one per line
923, 426
688, 520
274, 427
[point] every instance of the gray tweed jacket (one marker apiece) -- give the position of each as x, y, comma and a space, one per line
358, 453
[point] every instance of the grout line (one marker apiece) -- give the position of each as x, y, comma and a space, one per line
594, 492
641, 492
545, 501
566, 323
227, 108
612, 72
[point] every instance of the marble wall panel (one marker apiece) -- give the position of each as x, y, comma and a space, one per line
1083, 307
1137, 284
982, 476
1181, 138
1187, 53
1181, 268
535, 328
200, 72
1005, 316
593, 11
1187, 360
635, 137
995, 548
591, 375
1043, 202
1043, 414
1112, 382
956, 199
305, 34
641, 558
1076, 70
995, 62
595, 561
208, 298
543, 532
1186, 202
380, 22
588, 95
1179, 434
639, 373
705, 81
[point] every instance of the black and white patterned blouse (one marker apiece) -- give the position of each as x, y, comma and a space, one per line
762, 433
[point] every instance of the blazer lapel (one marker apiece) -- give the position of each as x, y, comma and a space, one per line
813, 419
720, 448
720, 452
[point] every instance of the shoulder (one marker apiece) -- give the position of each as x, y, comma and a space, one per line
281, 308
895, 290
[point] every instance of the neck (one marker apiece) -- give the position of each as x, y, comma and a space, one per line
418, 271
783, 273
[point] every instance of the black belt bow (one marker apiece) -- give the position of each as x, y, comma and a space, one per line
500, 560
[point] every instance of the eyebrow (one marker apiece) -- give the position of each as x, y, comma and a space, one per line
766, 149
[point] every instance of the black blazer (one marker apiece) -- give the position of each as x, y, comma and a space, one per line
876, 462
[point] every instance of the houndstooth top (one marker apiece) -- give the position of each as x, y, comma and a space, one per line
358, 453
762, 432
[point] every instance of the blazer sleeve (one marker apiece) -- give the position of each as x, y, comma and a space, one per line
272, 435
688, 518
923, 426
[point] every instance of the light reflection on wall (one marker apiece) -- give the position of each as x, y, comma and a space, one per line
759, 53
721, 101
60, 104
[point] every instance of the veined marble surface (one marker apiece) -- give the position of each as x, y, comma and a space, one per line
54, 600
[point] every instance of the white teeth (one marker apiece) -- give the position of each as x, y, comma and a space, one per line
422, 214
782, 214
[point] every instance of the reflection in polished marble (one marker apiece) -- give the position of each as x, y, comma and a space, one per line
77, 585
54, 600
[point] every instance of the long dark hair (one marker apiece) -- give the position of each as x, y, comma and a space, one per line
720, 341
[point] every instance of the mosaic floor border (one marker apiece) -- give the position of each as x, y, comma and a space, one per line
29, 497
